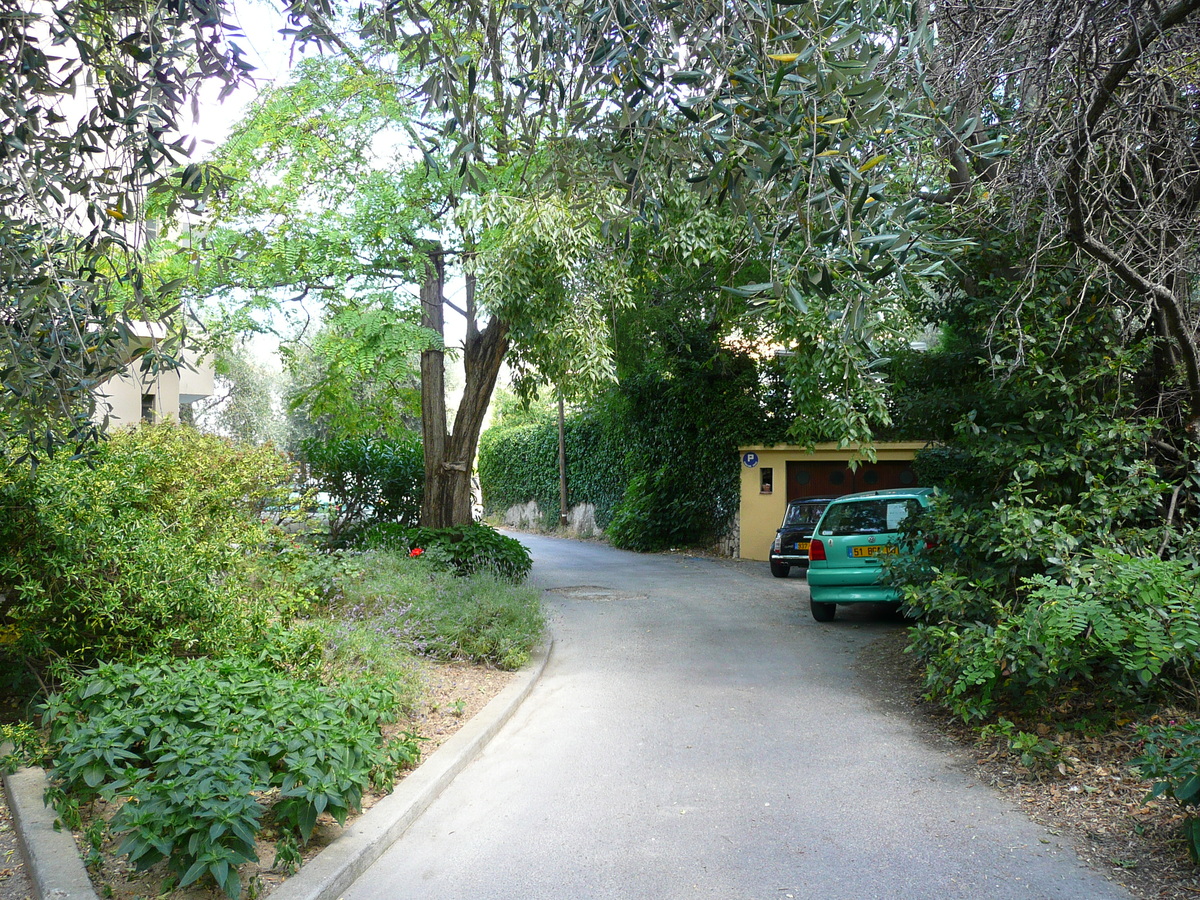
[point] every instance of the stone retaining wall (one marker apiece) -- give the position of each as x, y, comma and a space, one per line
581, 523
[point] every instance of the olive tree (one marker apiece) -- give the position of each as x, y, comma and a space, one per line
92, 95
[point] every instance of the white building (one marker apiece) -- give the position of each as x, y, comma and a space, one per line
135, 396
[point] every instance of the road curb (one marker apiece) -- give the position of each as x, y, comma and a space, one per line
56, 869
52, 859
336, 867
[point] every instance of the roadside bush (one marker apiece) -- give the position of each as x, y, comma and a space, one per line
648, 519
151, 545
195, 749
1171, 759
464, 549
1045, 578
1118, 624
368, 479
389, 596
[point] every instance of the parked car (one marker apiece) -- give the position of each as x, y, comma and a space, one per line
790, 547
853, 537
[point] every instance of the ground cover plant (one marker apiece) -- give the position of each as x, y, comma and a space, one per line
254, 691
388, 599
200, 752
463, 549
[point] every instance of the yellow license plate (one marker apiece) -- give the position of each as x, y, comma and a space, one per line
873, 550
802, 545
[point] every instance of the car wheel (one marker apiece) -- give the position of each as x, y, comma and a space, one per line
822, 612
780, 570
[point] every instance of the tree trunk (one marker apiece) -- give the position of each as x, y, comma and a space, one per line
433, 389
449, 457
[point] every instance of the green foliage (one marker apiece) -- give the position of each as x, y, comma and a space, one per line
520, 463
28, 746
463, 549
682, 425
68, 292
195, 748
647, 519
656, 455
1114, 623
1055, 571
1034, 751
1171, 759
360, 378
153, 544
548, 268
369, 479
431, 612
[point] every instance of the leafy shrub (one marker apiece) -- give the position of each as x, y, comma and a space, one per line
369, 479
1044, 577
195, 748
430, 612
466, 549
1171, 759
1114, 622
648, 519
153, 544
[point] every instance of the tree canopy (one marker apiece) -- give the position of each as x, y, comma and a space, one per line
91, 99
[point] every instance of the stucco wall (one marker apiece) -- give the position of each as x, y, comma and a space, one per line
762, 512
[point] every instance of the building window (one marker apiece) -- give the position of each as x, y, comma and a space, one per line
767, 480
148, 408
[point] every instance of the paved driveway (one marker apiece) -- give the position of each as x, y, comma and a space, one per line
697, 734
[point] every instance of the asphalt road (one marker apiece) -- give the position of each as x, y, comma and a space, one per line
697, 734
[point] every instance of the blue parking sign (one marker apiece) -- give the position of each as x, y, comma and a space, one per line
749, 460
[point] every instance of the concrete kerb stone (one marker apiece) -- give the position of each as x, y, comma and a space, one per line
336, 867
56, 869
52, 860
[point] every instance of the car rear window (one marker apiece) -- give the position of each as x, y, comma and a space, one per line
804, 514
874, 516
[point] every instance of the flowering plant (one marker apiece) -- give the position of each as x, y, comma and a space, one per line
415, 552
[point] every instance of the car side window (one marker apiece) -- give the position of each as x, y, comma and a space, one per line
898, 511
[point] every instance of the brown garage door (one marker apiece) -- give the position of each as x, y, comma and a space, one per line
832, 479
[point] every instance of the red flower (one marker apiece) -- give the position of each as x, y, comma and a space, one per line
415, 552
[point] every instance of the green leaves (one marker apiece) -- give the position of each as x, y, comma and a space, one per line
466, 549
196, 757
369, 479
152, 544
546, 267
73, 263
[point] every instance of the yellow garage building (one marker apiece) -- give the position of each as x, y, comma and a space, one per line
771, 476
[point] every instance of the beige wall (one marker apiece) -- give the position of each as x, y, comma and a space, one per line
121, 396
762, 512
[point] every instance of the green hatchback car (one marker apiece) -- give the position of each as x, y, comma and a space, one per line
855, 534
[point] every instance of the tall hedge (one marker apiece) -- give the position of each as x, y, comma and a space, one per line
657, 455
520, 463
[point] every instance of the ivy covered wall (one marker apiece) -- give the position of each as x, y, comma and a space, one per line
656, 455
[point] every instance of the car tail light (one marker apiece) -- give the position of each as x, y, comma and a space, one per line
816, 551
